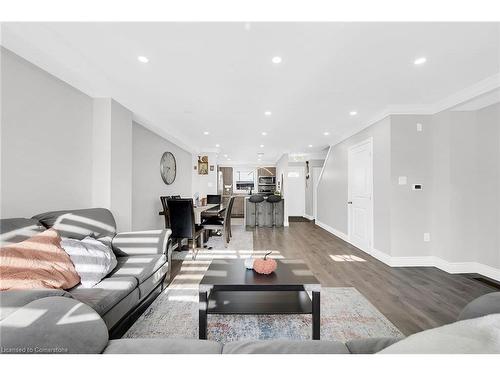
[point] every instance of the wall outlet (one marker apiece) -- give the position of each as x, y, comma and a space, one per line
419, 127
402, 180
427, 237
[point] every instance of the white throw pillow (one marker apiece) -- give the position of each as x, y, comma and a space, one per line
92, 259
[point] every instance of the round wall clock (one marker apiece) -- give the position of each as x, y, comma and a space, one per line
168, 168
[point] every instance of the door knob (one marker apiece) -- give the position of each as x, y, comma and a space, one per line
349, 202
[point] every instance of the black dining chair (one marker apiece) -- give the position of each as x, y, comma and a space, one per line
224, 225
182, 223
214, 198
164, 213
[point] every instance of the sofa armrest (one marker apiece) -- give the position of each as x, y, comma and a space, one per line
53, 325
147, 242
370, 345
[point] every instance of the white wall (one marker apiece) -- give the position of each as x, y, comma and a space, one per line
121, 166
411, 157
332, 188
309, 184
46, 141
456, 158
112, 160
204, 184
61, 149
147, 184
282, 178
466, 168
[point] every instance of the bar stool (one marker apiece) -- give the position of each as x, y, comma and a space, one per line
273, 199
256, 199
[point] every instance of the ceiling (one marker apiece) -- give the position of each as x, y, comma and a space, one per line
219, 77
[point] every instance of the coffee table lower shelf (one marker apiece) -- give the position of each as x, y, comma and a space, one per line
259, 303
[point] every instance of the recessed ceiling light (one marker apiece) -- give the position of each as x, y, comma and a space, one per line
353, 113
326, 133
264, 133
277, 60
420, 61
225, 155
206, 133
310, 146
268, 113
261, 146
217, 145
229, 159
143, 59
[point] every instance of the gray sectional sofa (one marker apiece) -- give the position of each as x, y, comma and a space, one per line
143, 263
82, 320
65, 325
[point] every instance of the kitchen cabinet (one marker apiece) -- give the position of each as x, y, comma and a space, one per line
266, 172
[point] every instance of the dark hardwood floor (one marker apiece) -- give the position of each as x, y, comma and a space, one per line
412, 298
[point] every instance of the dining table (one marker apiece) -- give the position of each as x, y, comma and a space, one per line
207, 210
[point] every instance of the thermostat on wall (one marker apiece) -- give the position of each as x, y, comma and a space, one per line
417, 187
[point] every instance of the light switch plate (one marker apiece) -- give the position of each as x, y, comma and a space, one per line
427, 237
419, 127
402, 180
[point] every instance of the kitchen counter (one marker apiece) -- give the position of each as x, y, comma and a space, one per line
238, 205
267, 214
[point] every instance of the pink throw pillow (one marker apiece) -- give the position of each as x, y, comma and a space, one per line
37, 263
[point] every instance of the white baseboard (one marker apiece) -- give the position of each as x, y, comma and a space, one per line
309, 217
333, 231
422, 261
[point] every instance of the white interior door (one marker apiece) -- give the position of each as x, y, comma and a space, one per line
360, 195
296, 191
315, 179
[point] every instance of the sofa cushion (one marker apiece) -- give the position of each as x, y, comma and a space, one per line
36, 263
53, 325
139, 266
162, 346
285, 347
484, 305
145, 242
78, 224
370, 345
92, 259
472, 336
18, 229
154, 280
121, 309
12, 300
106, 294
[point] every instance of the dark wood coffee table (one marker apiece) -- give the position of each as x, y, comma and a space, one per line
229, 288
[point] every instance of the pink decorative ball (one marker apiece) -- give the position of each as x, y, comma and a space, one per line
265, 266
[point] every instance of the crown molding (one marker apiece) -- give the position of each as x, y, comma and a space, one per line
480, 88
460, 97
163, 134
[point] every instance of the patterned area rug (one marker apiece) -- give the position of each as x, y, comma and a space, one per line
345, 313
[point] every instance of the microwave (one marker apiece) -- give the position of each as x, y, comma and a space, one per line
267, 180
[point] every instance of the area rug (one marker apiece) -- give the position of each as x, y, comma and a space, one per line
345, 313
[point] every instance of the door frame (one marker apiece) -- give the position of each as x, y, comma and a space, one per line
303, 171
369, 142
